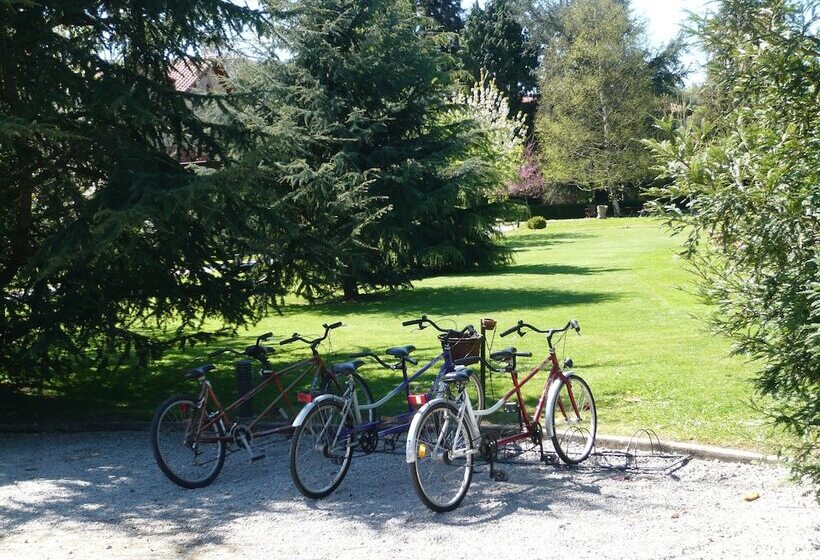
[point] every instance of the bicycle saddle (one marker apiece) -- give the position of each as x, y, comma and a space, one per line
346, 367
400, 351
198, 372
459, 375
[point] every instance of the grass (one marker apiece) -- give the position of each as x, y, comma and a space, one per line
643, 348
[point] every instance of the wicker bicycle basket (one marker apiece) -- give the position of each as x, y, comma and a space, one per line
462, 347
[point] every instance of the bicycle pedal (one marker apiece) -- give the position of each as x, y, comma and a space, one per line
500, 476
257, 457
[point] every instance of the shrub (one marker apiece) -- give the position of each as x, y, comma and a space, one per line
537, 222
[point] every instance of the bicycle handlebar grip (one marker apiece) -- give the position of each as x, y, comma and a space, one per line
265, 336
509, 331
361, 354
335, 325
412, 360
411, 322
524, 354
289, 340
216, 353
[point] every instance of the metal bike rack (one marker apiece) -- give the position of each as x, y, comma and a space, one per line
650, 459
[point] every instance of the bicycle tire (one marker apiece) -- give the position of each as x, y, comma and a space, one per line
299, 472
561, 441
170, 471
423, 489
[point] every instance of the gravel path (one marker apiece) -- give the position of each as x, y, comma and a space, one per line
85, 495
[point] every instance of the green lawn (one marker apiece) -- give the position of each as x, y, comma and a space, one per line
643, 348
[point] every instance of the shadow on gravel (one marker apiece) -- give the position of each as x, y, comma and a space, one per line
114, 482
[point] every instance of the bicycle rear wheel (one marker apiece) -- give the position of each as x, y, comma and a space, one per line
573, 427
475, 392
187, 456
443, 457
319, 459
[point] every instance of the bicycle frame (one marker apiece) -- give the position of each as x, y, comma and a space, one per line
546, 401
222, 415
399, 423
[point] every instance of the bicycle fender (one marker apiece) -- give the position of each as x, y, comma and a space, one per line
300, 418
412, 432
552, 396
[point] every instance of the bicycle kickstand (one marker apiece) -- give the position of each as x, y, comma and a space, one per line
497, 474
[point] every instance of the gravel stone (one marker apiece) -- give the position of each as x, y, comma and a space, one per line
94, 494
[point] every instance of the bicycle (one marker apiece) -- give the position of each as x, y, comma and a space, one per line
191, 436
444, 438
328, 430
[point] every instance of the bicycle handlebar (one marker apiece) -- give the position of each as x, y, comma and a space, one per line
571, 324
369, 354
315, 342
469, 329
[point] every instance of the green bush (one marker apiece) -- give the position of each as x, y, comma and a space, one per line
537, 222
515, 211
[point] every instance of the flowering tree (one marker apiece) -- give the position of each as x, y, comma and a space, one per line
503, 143
530, 183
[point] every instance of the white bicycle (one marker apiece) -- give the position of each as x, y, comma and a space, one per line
444, 439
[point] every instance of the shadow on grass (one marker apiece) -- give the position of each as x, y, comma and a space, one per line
456, 300
544, 240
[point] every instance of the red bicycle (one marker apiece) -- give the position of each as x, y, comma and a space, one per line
191, 436
444, 438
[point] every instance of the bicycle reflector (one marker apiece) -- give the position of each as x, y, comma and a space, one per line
417, 400
304, 397
422, 451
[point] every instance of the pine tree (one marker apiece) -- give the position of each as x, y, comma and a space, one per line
102, 232
447, 13
365, 95
494, 42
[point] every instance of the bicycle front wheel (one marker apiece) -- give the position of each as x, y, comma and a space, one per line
443, 457
574, 420
189, 456
363, 394
320, 454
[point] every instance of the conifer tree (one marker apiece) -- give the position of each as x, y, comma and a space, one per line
102, 233
363, 100
494, 42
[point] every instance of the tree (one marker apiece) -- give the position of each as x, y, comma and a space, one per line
447, 13
102, 232
495, 43
529, 184
364, 99
595, 100
744, 188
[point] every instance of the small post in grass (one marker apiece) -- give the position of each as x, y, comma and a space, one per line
486, 325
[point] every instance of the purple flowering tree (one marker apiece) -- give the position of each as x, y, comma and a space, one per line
530, 183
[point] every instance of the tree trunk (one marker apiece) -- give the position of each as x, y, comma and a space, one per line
616, 207
350, 289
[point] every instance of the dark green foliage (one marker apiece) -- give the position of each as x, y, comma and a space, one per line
359, 116
494, 42
446, 13
537, 222
101, 232
745, 189
667, 69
